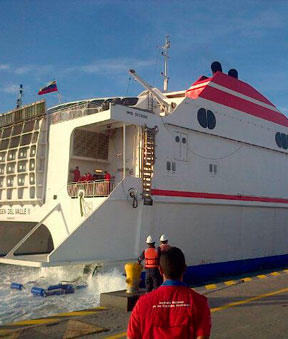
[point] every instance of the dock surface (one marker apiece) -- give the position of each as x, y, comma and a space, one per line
251, 307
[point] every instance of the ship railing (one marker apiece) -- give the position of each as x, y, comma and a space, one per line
91, 189
60, 116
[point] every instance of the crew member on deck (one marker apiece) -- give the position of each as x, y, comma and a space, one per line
151, 256
164, 243
107, 178
76, 174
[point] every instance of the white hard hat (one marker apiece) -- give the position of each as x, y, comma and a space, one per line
163, 237
149, 240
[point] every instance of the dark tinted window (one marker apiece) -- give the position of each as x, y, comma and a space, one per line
14, 142
4, 144
26, 139
202, 117
278, 139
284, 140
28, 127
211, 120
129, 101
7, 132
17, 129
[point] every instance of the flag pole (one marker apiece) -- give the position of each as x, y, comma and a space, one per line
59, 95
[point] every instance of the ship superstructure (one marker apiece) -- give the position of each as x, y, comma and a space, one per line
206, 166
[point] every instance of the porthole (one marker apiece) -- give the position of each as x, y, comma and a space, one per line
278, 139
183, 140
202, 117
206, 118
177, 139
284, 140
211, 120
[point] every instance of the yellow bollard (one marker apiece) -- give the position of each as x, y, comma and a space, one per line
133, 273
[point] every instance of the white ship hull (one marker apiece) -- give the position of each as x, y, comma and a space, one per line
219, 193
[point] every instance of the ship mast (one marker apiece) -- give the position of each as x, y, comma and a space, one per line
165, 55
20, 96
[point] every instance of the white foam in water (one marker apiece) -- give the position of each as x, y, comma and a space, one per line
20, 305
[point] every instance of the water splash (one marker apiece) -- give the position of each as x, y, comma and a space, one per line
20, 305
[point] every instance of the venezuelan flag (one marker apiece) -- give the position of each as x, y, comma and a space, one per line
50, 87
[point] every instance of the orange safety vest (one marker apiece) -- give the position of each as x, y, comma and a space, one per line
151, 257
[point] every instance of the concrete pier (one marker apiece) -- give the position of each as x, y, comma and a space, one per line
255, 306
120, 299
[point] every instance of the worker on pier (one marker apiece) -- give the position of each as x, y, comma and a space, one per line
173, 310
164, 243
151, 256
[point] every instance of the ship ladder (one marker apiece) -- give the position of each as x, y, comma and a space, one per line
148, 160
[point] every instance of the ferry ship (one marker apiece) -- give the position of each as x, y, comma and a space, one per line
207, 166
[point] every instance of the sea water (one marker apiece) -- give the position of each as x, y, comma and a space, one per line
18, 305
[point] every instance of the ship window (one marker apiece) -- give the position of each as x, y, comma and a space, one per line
22, 153
284, 140
202, 118
90, 144
206, 118
17, 129
4, 144
173, 166
211, 120
95, 103
26, 139
33, 151
168, 166
7, 132
32, 165
12, 155
35, 137
10, 181
177, 139
278, 139
183, 140
129, 101
32, 192
14, 142
29, 125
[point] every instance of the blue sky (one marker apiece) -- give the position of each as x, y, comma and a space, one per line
89, 45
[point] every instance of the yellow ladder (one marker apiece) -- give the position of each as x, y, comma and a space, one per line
148, 160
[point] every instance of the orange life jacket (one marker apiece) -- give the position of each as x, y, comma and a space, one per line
151, 257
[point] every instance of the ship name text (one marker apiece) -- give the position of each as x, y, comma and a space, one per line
15, 211
138, 115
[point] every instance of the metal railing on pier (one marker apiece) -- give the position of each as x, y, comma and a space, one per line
90, 189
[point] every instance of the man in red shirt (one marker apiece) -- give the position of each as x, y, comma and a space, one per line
173, 310
76, 174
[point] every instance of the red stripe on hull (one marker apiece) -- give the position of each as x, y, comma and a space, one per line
243, 105
219, 196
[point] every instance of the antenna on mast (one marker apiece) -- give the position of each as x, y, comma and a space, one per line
20, 96
165, 55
